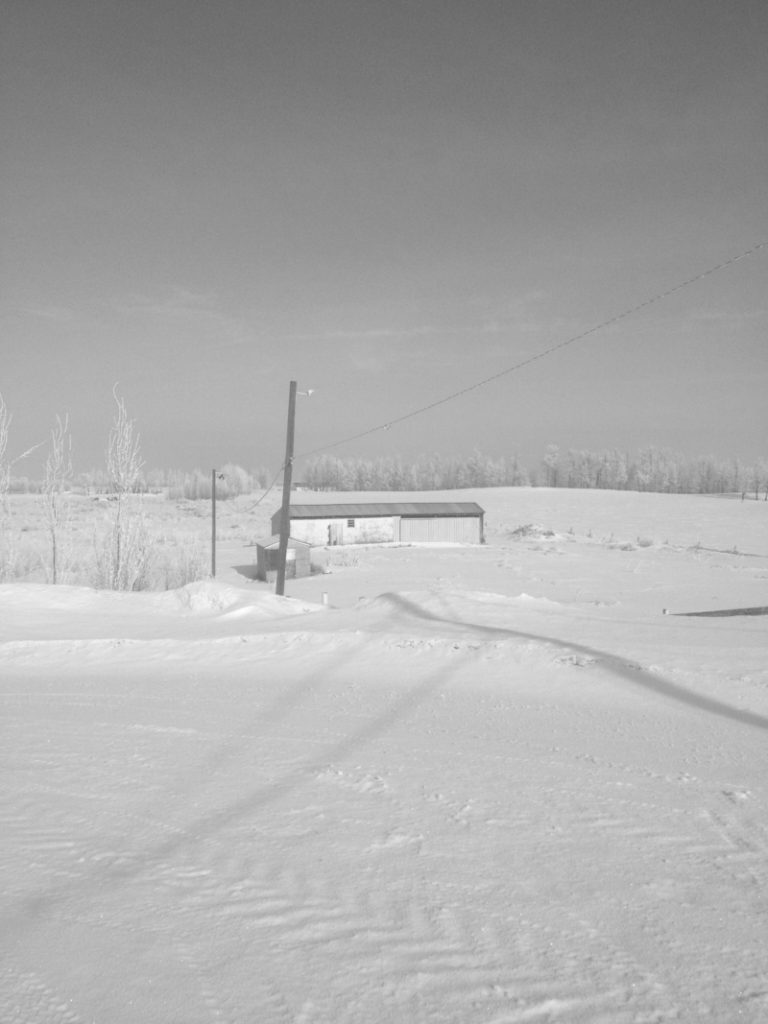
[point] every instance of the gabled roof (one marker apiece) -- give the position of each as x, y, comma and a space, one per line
361, 509
274, 541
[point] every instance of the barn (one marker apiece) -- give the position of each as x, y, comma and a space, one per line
364, 522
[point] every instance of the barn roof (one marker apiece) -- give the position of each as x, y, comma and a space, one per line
361, 509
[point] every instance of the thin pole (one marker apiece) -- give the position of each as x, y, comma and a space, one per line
285, 518
213, 523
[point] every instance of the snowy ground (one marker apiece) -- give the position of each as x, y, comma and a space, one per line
484, 786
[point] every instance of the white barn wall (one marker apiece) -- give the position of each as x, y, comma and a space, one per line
378, 529
446, 529
377, 522
371, 531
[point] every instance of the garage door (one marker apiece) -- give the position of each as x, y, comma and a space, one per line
456, 529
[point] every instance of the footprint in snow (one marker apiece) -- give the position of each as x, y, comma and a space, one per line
736, 796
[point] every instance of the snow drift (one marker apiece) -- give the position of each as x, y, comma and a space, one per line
446, 802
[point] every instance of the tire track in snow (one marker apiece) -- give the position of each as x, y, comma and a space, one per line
743, 845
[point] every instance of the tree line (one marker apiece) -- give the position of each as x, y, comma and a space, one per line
649, 469
193, 485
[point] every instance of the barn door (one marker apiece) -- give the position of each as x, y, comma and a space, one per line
335, 534
454, 529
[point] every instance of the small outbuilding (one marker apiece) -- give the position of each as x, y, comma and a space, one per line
359, 522
297, 558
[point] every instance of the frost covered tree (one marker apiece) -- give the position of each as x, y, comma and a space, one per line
759, 478
57, 478
5, 480
7, 539
236, 480
124, 565
551, 464
5, 468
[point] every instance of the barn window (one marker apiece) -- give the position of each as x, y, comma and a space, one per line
351, 523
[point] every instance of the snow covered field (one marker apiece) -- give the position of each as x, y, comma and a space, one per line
483, 786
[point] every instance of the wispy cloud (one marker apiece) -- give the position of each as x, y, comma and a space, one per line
368, 334
179, 301
185, 307
57, 314
400, 333
484, 316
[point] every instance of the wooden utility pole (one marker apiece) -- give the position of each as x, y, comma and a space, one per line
213, 523
285, 517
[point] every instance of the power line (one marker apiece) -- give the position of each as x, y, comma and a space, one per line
540, 355
275, 478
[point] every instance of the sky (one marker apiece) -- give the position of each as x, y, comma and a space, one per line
387, 202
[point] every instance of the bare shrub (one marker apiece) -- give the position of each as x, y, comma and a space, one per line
123, 553
17, 559
185, 561
341, 558
531, 531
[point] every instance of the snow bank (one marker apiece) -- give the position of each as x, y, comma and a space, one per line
36, 611
458, 605
208, 597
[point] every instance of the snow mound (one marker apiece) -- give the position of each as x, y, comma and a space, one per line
493, 598
470, 607
204, 596
208, 597
536, 602
391, 601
